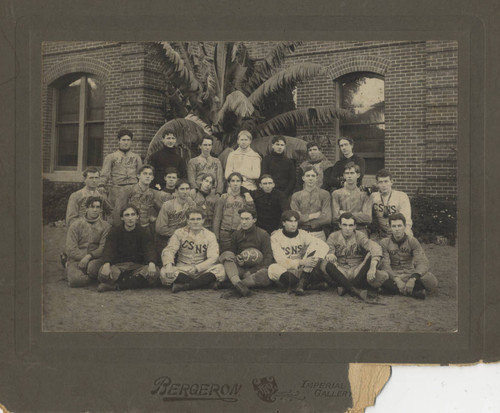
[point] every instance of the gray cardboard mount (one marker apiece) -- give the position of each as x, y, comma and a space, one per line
128, 371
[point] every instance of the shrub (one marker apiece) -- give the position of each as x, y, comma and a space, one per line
55, 199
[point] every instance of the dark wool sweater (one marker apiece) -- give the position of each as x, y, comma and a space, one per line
269, 208
129, 246
253, 238
282, 169
163, 159
333, 177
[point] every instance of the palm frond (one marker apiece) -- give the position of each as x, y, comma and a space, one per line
303, 116
237, 103
295, 148
264, 68
287, 77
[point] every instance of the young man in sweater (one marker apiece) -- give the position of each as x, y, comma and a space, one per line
243, 276
315, 159
297, 254
281, 168
205, 199
171, 178
129, 256
206, 164
245, 161
190, 258
313, 204
226, 217
334, 176
120, 168
85, 244
405, 262
386, 202
351, 199
352, 259
167, 157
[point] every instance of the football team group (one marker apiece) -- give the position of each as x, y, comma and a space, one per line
242, 222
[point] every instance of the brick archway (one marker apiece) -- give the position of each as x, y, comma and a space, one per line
78, 64
352, 64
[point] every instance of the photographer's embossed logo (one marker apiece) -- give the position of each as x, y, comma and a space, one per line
266, 389
176, 391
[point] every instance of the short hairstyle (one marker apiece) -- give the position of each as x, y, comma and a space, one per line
171, 170
264, 177
124, 132
182, 182
397, 217
245, 133
205, 176
347, 215
350, 165
383, 173
232, 174
311, 145
195, 210
145, 166
91, 199
287, 215
310, 168
345, 138
278, 138
91, 170
251, 211
168, 131
128, 206
210, 138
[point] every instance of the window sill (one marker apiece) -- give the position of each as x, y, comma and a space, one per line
63, 176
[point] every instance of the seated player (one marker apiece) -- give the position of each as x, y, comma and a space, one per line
313, 204
405, 262
172, 214
147, 201
352, 259
171, 177
190, 258
205, 199
387, 202
129, 256
226, 217
270, 203
352, 199
243, 275
317, 160
297, 254
85, 244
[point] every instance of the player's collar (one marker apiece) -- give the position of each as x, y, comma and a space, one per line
290, 234
401, 241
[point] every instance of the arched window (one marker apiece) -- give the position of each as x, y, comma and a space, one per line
79, 122
363, 92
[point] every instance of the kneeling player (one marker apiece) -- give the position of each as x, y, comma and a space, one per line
197, 252
244, 275
297, 254
353, 258
405, 262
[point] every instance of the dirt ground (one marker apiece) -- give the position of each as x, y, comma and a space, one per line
156, 310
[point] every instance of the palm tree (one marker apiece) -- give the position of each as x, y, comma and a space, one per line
216, 88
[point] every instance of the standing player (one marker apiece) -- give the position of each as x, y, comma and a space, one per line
129, 257
352, 199
172, 214
387, 202
353, 259
190, 258
313, 204
206, 164
281, 168
245, 161
85, 244
167, 157
315, 159
244, 276
120, 168
334, 175
226, 217
297, 254
147, 201
205, 199
405, 262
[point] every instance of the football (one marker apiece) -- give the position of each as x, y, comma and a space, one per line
251, 257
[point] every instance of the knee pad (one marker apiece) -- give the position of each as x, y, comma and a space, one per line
227, 256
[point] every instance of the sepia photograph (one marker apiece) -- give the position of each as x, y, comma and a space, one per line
250, 186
